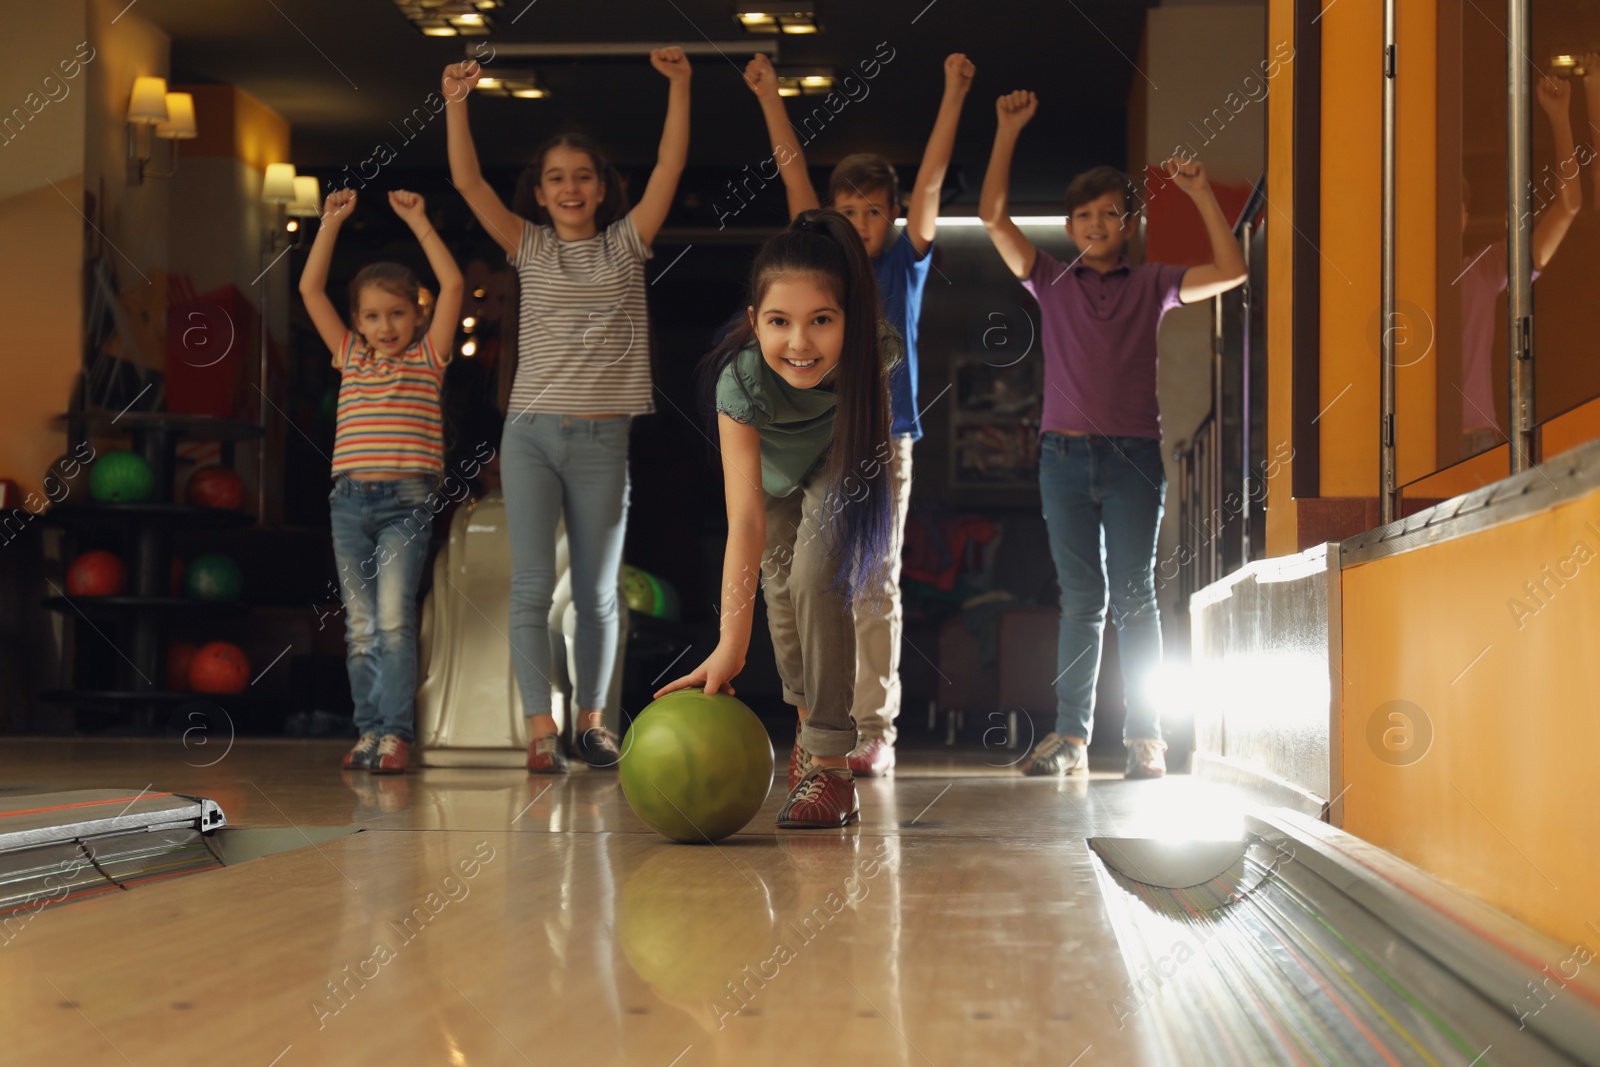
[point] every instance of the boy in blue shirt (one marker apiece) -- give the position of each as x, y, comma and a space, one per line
863, 187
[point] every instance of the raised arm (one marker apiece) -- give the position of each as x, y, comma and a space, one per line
1555, 96
447, 304
651, 210
741, 563
1226, 269
314, 279
503, 224
797, 187
922, 213
1013, 110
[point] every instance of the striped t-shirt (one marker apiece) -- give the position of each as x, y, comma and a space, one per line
584, 342
389, 409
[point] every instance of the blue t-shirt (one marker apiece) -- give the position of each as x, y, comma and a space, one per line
902, 274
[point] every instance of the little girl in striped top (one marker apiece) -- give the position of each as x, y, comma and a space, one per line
388, 454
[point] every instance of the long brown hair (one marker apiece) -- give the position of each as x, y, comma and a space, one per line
613, 205
824, 245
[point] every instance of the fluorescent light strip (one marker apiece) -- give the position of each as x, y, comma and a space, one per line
973, 220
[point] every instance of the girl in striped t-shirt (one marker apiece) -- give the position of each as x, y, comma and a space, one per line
387, 457
583, 372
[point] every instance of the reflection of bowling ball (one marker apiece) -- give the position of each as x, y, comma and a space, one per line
696, 767
121, 478
219, 667
213, 577
179, 658
214, 487
689, 927
667, 606
638, 590
97, 573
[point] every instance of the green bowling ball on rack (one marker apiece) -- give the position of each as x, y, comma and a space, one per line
695, 766
121, 478
213, 577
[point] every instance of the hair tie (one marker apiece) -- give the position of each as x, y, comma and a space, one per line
812, 226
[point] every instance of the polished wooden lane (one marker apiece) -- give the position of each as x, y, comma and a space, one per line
486, 917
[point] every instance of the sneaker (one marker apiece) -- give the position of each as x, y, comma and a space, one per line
873, 757
1146, 759
800, 763
392, 756
360, 757
1055, 756
597, 747
545, 757
825, 800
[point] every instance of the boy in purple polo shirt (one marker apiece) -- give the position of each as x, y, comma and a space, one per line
864, 188
1100, 472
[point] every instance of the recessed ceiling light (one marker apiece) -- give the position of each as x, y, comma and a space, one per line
818, 81
772, 20
449, 18
519, 82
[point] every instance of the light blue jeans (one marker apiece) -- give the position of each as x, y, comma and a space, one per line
381, 531
1103, 498
550, 465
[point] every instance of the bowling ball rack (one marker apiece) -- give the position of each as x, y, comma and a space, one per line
137, 624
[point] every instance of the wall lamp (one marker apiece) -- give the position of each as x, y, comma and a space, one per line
155, 114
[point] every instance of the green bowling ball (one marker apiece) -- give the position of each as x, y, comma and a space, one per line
667, 606
696, 767
121, 478
213, 577
638, 590
687, 925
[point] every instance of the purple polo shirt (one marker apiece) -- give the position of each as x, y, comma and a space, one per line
1099, 338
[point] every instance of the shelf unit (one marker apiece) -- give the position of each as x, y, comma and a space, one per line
139, 619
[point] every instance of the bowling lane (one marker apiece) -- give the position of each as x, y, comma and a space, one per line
487, 918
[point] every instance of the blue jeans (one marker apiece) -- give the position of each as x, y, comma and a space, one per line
550, 465
381, 531
1103, 498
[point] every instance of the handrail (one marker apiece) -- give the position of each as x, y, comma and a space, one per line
1203, 523
1253, 205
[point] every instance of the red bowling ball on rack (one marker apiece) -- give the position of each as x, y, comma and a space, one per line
219, 667
214, 487
97, 573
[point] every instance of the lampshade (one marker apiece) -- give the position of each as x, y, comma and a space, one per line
180, 125
279, 186
149, 100
307, 197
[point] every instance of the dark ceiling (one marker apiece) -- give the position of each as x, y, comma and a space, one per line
342, 71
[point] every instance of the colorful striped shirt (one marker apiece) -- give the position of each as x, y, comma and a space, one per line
389, 409
584, 342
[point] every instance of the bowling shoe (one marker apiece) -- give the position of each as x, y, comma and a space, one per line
360, 757
392, 756
1055, 756
873, 757
799, 762
597, 747
1146, 758
825, 799
545, 756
